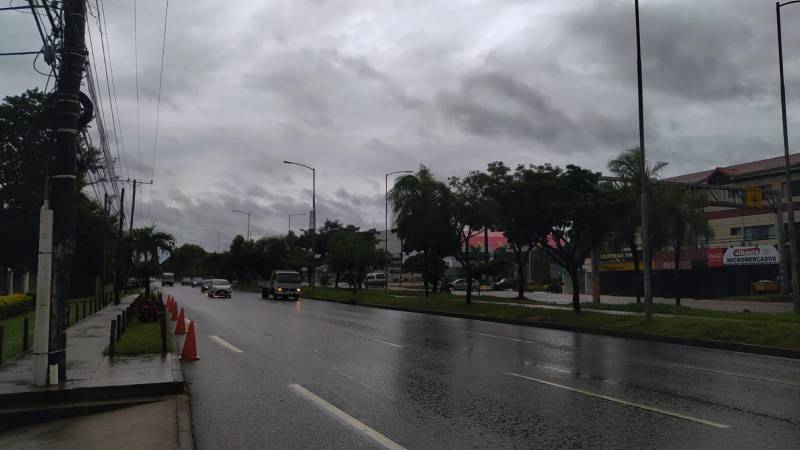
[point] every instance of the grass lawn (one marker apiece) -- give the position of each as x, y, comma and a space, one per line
12, 334
141, 338
777, 330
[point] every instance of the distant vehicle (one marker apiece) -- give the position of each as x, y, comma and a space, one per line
377, 279
196, 281
282, 283
204, 285
186, 281
766, 287
167, 279
219, 287
461, 285
505, 283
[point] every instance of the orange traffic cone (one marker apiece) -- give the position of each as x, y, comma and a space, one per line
181, 327
189, 352
173, 313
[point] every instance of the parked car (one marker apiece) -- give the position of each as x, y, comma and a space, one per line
375, 279
167, 279
196, 281
282, 283
766, 287
204, 285
505, 283
186, 281
461, 285
220, 287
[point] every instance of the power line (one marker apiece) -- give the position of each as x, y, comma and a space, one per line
158, 105
136, 65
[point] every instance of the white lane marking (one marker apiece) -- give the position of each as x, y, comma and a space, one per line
622, 402
734, 374
388, 343
554, 346
347, 418
226, 344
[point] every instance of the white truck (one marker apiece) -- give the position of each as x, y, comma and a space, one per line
282, 284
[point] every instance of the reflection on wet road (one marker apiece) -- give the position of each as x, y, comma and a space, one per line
423, 381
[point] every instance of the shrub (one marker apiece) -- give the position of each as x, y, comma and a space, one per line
147, 308
11, 305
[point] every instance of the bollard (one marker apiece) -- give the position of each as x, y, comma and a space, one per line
163, 323
119, 327
25, 332
77, 310
124, 319
84, 309
1, 344
111, 337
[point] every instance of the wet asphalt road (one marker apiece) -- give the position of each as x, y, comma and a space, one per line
433, 382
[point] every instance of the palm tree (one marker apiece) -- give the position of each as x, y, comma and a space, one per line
685, 221
147, 246
627, 166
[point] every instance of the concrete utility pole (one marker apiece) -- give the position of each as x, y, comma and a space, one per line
63, 186
43, 289
136, 183
648, 262
120, 253
103, 272
793, 248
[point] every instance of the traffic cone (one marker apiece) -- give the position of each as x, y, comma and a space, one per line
189, 352
173, 313
181, 327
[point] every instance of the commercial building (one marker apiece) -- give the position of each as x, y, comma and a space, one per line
744, 246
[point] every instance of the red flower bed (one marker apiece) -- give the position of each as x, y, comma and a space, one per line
148, 309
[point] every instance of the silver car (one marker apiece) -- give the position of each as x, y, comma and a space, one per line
220, 287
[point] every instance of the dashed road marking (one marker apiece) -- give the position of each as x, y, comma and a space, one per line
622, 402
388, 343
347, 418
734, 374
554, 346
225, 344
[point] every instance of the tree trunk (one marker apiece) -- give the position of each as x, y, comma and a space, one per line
677, 273
595, 276
147, 285
426, 275
521, 275
336, 285
635, 254
469, 274
576, 291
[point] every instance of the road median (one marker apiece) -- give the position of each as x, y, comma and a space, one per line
760, 335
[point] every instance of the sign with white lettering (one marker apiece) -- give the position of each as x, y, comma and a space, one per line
749, 256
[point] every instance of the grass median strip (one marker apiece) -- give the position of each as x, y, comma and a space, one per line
773, 330
141, 338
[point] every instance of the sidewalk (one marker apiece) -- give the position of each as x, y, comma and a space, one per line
87, 367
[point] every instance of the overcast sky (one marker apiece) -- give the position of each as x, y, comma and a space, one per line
360, 88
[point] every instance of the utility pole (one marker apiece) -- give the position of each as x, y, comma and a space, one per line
136, 183
793, 248
648, 262
66, 124
103, 280
120, 249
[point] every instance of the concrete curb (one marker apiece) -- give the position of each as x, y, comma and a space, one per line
719, 345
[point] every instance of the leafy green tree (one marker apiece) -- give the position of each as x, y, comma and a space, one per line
627, 167
186, 260
354, 251
470, 215
422, 208
147, 246
685, 220
581, 212
416, 264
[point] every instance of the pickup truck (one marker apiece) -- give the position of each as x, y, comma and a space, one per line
281, 284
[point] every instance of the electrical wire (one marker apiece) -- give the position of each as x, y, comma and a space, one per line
136, 65
158, 106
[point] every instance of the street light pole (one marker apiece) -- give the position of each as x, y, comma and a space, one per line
648, 262
313, 218
248, 220
290, 218
795, 261
215, 231
386, 224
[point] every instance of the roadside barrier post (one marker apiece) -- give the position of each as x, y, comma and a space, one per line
84, 309
124, 319
1, 344
112, 338
119, 327
25, 331
163, 323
